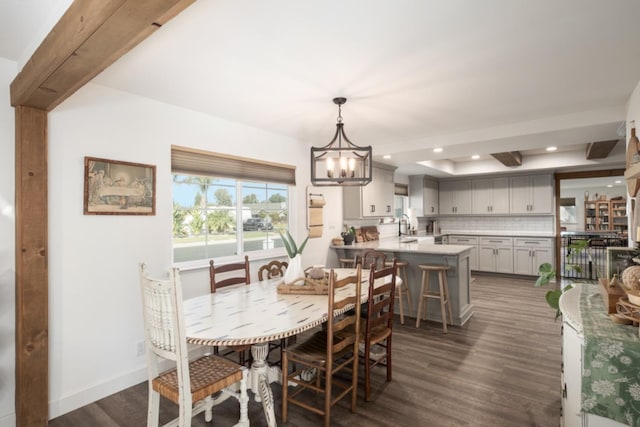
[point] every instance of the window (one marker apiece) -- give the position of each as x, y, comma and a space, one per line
226, 216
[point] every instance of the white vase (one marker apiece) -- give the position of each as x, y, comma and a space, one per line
294, 270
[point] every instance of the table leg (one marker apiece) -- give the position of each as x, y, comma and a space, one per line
261, 375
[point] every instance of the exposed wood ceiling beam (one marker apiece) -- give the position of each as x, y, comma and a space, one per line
90, 36
600, 149
510, 158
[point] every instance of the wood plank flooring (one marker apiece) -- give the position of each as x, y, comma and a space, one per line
500, 369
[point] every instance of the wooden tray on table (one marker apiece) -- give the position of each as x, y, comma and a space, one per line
309, 287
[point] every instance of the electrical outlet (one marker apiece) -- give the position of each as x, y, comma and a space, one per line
140, 349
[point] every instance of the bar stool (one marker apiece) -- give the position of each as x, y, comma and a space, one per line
442, 294
402, 289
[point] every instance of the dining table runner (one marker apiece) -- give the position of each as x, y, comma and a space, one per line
610, 362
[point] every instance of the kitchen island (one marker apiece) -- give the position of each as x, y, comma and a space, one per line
415, 253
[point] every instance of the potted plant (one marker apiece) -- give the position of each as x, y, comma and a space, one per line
294, 270
349, 235
546, 273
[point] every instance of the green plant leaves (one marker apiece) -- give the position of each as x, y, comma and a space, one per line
290, 244
546, 272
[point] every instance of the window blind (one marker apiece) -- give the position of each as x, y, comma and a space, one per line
200, 162
401, 189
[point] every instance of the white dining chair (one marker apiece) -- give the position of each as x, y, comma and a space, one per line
189, 384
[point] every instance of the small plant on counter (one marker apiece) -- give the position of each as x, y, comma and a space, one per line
348, 235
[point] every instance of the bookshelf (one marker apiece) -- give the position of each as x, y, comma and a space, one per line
606, 215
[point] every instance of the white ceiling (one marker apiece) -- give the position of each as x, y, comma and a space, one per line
473, 77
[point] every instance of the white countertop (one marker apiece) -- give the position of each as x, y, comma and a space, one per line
393, 244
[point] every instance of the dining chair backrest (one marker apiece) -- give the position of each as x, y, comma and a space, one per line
162, 309
339, 302
241, 268
380, 298
371, 256
274, 269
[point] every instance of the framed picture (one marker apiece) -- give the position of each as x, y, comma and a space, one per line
112, 187
618, 258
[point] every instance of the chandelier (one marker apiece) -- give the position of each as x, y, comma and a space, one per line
340, 162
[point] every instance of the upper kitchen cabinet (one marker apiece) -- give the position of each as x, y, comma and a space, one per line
531, 194
490, 196
455, 197
423, 195
372, 200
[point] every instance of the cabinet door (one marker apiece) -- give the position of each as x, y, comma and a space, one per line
463, 197
368, 207
447, 197
522, 260
481, 198
541, 194
500, 196
519, 194
504, 260
430, 205
417, 194
473, 258
540, 256
383, 194
486, 258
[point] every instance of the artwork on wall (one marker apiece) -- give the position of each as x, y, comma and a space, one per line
114, 187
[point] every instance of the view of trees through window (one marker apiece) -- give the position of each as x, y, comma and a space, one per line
219, 217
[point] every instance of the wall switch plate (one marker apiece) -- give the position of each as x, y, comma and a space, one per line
140, 349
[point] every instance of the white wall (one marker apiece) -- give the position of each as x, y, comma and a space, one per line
578, 194
95, 319
8, 70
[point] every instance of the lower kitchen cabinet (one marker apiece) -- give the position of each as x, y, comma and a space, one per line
529, 253
468, 241
495, 254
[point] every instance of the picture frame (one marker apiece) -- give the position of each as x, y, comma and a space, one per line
617, 260
114, 187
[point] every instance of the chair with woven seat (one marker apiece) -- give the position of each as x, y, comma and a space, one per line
233, 274
189, 384
328, 352
378, 327
270, 271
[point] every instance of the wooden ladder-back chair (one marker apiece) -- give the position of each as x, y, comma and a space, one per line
243, 275
327, 352
371, 256
378, 328
189, 382
270, 271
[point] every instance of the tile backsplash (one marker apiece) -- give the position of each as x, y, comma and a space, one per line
533, 224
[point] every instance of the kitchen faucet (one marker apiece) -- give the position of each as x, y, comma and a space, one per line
400, 223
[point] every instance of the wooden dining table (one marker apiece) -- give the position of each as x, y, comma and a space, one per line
257, 314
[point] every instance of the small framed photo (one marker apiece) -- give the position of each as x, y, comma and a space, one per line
618, 258
113, 187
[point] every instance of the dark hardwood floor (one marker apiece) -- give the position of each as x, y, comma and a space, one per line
500, 369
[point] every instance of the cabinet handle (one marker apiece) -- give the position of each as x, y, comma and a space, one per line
388, 208
373, 208
432, 209
532, 243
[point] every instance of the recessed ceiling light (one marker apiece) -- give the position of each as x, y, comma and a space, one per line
551, 148
437, 150
475, 156
610, 185
386, 156
618, 182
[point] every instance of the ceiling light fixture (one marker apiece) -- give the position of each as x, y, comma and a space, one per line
437, 150
341, 162
386, 156
475, 156
551, 148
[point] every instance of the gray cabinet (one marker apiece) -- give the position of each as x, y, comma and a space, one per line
529, 253
372, 200
455, 197
423, 195
467, 241
495, 254
531, 194
490, 196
